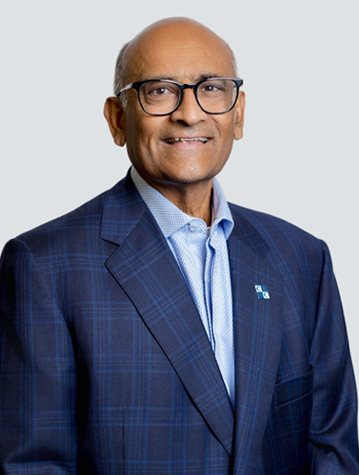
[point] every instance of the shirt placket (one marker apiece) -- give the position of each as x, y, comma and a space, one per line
208, 282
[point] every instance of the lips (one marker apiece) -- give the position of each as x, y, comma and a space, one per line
175, 140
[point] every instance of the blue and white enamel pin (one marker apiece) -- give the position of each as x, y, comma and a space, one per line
262, 292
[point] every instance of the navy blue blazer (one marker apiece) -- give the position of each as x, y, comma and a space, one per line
105, 367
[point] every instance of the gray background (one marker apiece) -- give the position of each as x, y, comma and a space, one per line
298, 159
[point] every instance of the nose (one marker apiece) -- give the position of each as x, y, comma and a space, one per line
189, 112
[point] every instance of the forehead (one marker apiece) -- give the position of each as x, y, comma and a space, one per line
182, 52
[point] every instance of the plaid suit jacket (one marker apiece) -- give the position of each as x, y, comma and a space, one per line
106, 368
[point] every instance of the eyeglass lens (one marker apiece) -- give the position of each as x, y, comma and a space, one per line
162, 97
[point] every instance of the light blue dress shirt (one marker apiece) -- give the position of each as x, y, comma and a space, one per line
202, 256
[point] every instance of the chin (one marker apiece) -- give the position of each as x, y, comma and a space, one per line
189, 177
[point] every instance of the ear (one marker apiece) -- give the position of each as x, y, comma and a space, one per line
239, 115
115, 116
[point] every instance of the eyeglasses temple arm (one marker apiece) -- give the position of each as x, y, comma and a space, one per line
129, 86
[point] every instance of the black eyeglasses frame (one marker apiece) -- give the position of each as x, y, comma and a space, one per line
137, 85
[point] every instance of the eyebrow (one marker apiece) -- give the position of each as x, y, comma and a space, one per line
171, 78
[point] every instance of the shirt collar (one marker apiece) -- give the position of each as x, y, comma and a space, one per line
170, 218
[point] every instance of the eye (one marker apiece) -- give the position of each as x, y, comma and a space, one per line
213, 87
210, 88
158, 91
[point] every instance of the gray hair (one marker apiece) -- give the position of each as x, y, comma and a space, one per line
121, 70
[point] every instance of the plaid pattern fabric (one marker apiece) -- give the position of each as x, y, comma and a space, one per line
106, 368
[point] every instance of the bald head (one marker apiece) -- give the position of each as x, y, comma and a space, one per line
177, 33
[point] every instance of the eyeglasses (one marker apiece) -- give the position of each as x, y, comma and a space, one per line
163, 96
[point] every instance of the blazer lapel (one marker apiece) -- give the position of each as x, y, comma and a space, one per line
258, 332
146, 269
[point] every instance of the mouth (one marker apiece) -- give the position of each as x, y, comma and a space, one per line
187, 140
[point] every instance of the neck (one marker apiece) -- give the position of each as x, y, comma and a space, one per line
193, 199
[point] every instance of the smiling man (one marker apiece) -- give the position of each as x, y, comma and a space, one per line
172, 141
158, 329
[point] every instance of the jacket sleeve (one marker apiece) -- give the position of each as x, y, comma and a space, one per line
333, 440
38, 390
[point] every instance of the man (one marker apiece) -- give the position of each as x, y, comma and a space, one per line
158, 329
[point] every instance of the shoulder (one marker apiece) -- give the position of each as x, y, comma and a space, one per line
68, 233
284, 243
75, 223
272, 228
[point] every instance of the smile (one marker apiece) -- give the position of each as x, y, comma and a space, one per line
187, 140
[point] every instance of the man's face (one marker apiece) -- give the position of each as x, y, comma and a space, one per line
184, 53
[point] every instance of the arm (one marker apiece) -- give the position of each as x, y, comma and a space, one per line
38, 392
333, 440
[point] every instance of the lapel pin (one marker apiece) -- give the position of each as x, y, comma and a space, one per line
262, 292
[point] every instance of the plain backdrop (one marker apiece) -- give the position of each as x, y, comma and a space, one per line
298, 158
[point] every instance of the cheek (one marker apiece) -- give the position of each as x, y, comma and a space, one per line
144, 129
135, 135
141, 147
227, 134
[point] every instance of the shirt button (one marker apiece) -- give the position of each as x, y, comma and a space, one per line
207, 279
193, 227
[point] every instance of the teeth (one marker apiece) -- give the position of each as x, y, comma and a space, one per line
194, 139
